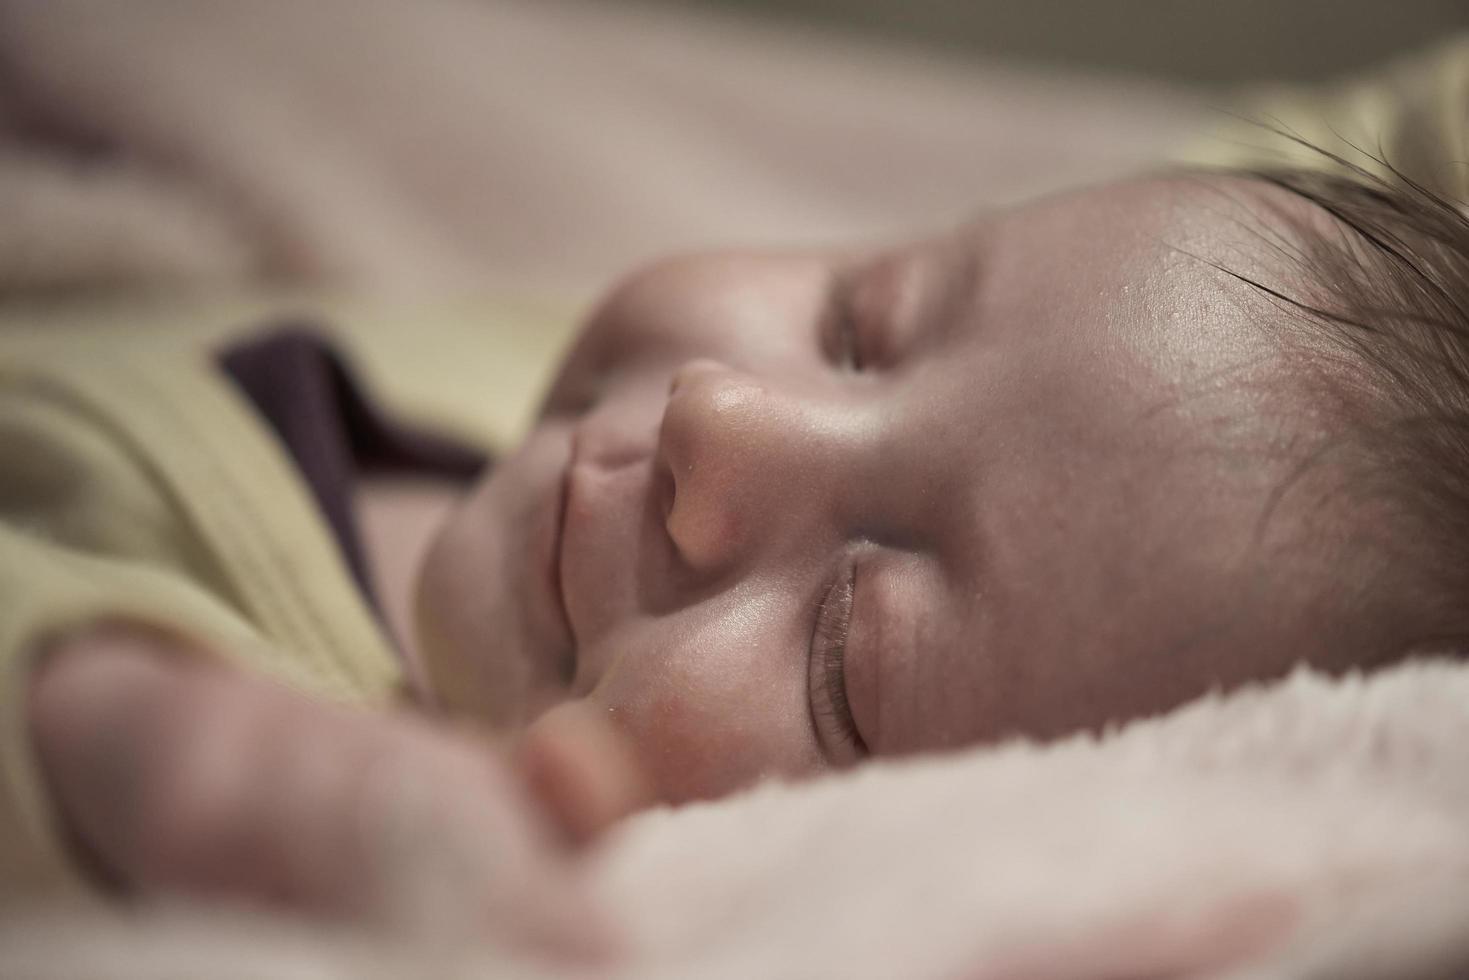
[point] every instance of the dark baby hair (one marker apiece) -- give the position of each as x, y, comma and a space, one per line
1384, 310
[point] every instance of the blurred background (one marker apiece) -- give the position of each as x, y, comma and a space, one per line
1202, 41
160, 147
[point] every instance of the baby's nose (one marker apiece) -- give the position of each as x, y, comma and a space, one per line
711, 444
729, 445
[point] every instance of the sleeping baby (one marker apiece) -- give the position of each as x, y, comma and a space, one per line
1065, 465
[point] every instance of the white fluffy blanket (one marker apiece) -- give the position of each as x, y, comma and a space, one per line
1311, 828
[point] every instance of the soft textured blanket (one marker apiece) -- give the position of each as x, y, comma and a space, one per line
1311, 828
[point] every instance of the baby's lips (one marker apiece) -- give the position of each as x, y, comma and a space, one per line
582, 770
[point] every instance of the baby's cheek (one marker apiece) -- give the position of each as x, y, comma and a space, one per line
613, 348
670, 312
596, 375
683, 745
699, 739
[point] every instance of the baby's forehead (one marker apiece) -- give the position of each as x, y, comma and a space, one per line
1254, 221
1179, 258
1184, 207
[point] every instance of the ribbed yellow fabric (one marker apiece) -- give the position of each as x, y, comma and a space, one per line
136, 482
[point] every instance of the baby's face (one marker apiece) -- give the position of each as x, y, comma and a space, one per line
785, 510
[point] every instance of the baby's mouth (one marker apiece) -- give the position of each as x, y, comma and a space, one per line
591, 522
557, 560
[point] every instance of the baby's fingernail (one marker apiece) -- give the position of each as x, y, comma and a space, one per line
583, 771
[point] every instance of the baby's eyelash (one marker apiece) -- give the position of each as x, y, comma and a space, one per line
833, 624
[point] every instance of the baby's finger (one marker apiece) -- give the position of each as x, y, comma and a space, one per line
185, 777
582, 770
396, 821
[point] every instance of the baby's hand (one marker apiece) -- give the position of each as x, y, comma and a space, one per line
177, 774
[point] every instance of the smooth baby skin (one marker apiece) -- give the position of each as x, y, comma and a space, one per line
784, 511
